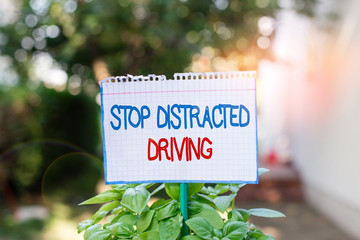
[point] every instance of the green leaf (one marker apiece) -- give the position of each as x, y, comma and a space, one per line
100, 235
109, 206
160, 203
91, 230
106, 196
264, 212
219, 189
209, 190
194, 207
115, 219
235, 230
117, 210
119, 187
104, 210
167, 211
234, 216
191, 237
218, 233
98, 216
239, 215
146, 208
119, 215
122, 229
235, 187
211, 215
201, 227
244, 213
154, 225
261, 171
173, 189
222, 188
223, 202
194, 188
150, 235
123, 187
135, 199
205, 199
259, 236
129, 219
169, 229
144, 221
84, 225
111, 217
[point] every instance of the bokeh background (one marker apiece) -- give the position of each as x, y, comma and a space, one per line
306, 54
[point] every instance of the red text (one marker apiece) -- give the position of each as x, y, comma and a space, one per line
173, 151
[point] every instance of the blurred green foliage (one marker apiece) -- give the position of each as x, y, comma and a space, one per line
11, 229
40, 126
48, 55
133, 37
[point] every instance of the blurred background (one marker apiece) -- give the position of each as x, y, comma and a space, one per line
306, 54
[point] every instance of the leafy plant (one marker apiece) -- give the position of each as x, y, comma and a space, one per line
128, 215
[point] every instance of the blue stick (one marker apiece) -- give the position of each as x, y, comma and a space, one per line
184, 207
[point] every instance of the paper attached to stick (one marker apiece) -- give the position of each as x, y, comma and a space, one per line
198, 127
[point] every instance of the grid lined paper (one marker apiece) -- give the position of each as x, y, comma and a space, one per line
234, 149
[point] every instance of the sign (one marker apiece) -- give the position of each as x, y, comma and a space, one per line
198, 127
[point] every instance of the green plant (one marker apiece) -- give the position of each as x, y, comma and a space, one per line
129, 216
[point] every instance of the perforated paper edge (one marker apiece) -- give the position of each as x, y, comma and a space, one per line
180, 76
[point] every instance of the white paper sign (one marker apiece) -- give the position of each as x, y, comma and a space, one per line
198, 127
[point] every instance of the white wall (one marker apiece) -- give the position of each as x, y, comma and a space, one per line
326, 146
319, 107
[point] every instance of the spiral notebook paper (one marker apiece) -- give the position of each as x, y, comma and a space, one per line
197, 127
